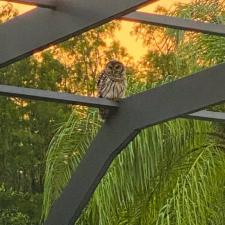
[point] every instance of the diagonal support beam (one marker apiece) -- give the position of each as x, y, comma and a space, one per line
139, 111
40, 28
51, 96
51, 4
108, 143
176, 23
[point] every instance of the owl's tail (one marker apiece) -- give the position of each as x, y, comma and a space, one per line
104, 113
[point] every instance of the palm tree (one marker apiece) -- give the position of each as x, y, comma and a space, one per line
170, 174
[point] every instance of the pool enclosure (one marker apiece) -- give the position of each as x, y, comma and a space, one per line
54, 21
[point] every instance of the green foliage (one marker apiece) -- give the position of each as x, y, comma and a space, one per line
86, 55
170, 174
208, 48
179, 53
14, 217
25, 132
27, 127
65, 151
18, 208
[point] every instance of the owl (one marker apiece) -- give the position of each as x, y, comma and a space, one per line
112, 84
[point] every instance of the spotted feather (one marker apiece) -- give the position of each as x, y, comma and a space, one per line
112, 84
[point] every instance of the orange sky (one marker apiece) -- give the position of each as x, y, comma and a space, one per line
133, 46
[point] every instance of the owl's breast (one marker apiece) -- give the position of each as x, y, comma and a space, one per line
113, 89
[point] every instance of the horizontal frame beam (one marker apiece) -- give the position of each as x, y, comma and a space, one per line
207, 115
67, 98
51, 4
176, 23
170, 101
40, 28
59, 97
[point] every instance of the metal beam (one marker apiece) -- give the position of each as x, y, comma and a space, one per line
178, 98
51, 96
66, 98
207, 115
139, 111
40, 28
51, 4
176, 23
108, 143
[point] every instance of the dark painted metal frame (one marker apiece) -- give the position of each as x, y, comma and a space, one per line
68, 98
60, 97
40, 28
182, 98
176, 23
165, 103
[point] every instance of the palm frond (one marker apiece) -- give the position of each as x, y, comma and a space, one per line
65, 152
170, 174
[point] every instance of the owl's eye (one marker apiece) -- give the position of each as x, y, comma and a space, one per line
118, 67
